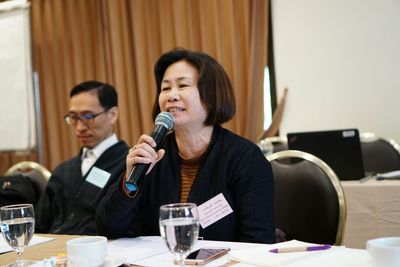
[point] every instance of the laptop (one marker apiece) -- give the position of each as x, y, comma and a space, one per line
340, 149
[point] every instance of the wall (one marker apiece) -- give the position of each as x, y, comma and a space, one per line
341, 62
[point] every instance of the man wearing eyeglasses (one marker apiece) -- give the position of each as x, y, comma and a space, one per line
76, 186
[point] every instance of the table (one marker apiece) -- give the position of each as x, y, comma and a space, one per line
373, 210
248, 253
41, 251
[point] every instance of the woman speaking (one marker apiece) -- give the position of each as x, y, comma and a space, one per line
197, 162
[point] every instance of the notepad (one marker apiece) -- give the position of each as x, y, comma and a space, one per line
335, 256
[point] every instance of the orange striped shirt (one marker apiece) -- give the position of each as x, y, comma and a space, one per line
189, 168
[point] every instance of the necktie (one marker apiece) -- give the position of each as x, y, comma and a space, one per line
87, 162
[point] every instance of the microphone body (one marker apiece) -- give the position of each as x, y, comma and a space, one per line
164, 123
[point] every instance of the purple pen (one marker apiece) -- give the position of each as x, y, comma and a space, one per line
300, 249
321, 247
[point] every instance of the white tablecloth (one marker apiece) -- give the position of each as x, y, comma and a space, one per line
373, 210
151, 251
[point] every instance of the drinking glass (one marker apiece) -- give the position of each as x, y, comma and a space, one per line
266, 146
179, 226
17, 226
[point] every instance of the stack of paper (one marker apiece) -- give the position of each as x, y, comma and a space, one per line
137, 249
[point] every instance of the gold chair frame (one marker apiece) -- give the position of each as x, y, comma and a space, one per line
332, 176
26, 166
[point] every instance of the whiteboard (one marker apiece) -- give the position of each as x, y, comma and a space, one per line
17, 111
340, 60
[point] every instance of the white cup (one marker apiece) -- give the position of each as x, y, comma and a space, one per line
384, 252
89, 251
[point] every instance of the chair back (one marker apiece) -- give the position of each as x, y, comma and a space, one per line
380, 155
309, 199
37, 173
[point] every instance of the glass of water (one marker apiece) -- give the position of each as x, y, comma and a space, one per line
267, 148
17, 224
179, 226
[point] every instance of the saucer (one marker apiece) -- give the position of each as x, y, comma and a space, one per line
114, 260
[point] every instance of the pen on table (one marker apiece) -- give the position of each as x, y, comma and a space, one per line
299, 249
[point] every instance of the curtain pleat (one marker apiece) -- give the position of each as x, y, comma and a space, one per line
118, 42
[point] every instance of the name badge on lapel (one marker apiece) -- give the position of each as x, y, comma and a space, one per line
98, 177
213, 210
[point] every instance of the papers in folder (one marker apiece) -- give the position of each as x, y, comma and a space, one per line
335, 256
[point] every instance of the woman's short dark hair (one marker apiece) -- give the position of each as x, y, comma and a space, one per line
106, 93
214, 86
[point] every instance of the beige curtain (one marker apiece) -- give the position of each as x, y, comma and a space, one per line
118, 41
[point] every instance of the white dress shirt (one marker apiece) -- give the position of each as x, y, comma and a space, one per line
89, 156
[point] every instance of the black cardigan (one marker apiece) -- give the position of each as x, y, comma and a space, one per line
233, 166
68, 204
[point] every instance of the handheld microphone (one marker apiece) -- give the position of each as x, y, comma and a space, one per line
164, 123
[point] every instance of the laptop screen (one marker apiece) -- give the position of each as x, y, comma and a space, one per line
340, 149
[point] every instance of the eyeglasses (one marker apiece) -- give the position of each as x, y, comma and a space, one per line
72, 119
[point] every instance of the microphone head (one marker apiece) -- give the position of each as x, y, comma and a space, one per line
165, 119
